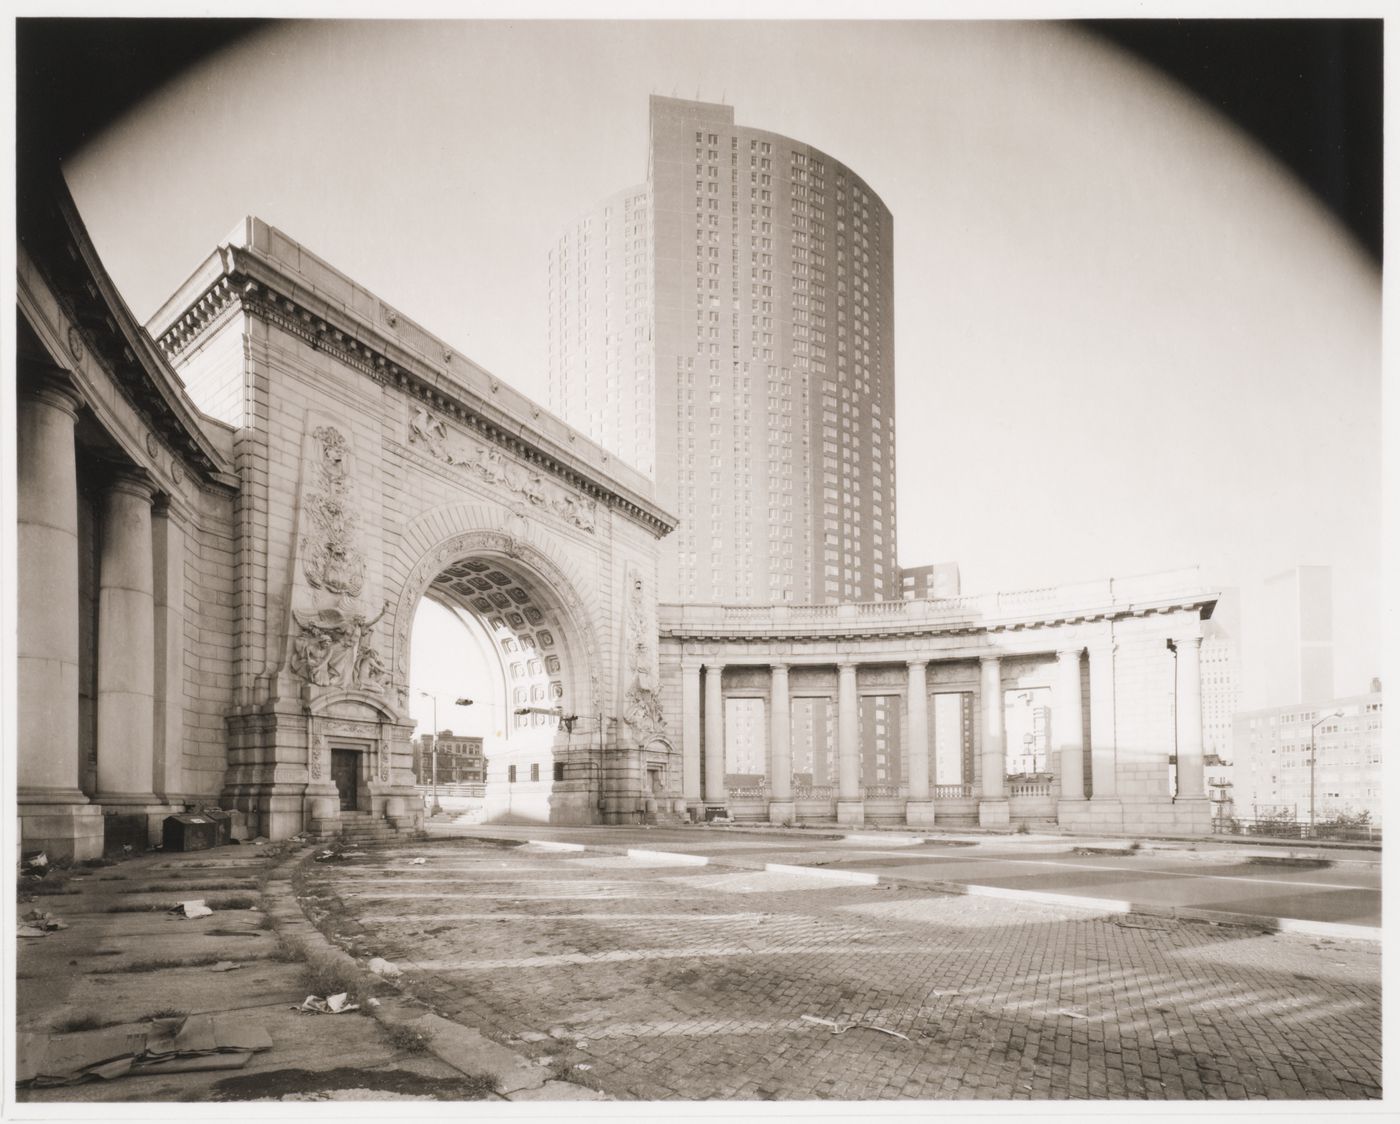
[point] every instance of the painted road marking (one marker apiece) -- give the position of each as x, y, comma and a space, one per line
852, 877
667, 858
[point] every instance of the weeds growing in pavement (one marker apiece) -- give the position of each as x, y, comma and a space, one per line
161, 964
407, 1038
326, 975
87, 1020
163, 1013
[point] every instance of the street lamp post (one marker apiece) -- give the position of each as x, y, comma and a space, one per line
436, 807
1312, 772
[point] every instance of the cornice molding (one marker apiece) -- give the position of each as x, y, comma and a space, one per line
249, 285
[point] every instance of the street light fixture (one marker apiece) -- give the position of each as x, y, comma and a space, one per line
1312, 772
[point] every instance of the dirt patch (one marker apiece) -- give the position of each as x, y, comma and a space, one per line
282, 1082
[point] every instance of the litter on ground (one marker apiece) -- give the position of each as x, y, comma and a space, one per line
226, 966
381, 967
194, 908
332, 1005
417, 862
841, 1028
173, 1045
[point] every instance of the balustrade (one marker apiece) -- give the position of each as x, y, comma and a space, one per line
952, 792
813, 791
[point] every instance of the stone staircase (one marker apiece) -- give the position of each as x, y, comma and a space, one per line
363, 828
663, 819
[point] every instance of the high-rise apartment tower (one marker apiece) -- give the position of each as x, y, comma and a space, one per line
729, 328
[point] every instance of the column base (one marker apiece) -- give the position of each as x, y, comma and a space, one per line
919, 813
1098, 813
781, 811
61, 831
1072, 813
1192, 815
994, 813
851, 812
696, 810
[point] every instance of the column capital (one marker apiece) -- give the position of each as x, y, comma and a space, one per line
847, 664
777, 667
1069, 652
990, 661
1189, 642
713, 668
917, 663
55, 387
689, 663
132, 481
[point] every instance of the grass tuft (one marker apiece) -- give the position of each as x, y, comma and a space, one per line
163, 1013
87, 1020
326, 975
407, 1038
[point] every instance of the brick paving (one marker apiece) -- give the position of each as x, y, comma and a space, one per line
692, 984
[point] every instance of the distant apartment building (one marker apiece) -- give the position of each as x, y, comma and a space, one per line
1297, 612
1220, 700
728, 327
917, 583
1273, 747
460, 760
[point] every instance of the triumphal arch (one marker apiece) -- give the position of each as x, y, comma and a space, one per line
332, 465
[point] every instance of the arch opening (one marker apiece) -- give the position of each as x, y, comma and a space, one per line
490, 628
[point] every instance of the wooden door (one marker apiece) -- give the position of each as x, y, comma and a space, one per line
345, 771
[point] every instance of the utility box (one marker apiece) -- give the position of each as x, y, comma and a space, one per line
223, 821
190, 833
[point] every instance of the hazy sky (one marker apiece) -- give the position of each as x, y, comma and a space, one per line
1126, 340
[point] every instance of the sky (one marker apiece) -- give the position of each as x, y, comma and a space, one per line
1127, 339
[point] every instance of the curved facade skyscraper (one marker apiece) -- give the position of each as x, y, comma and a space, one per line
728, 327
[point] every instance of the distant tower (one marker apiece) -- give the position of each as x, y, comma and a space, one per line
729, 328
1298, 620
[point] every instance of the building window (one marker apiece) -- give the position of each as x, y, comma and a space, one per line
559, 770
534, 772
510, 775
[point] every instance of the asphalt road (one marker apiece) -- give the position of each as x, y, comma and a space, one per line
1343, 888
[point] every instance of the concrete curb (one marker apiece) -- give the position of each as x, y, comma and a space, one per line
463, 1048
672, 858
853, 877
1101, 904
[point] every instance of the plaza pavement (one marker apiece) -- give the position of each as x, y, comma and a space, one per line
587, 973
656, 979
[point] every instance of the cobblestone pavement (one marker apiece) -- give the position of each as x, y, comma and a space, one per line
703, 982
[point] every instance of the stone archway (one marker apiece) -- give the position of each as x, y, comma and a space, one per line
545, 649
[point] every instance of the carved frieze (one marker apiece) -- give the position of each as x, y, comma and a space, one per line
489, 464
334, 649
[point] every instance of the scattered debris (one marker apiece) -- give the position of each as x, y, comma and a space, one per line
31, 931
1071, 1014
331, 1005
226, 966
190, 909
381, 967
42, 920
583, 1065
372, 1001
259, 841
37, 861
841, 1028
165, 1045
417, 862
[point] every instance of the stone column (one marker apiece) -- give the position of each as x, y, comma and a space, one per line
993, 810
850, 809
690, 737
780, 808
715, 791
55, 816
918, 811
1103, 735
1190, 761
1067, 722
126, 650
169, 544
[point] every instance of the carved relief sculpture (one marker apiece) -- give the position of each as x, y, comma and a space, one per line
641, 708
331, 641
429, 432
